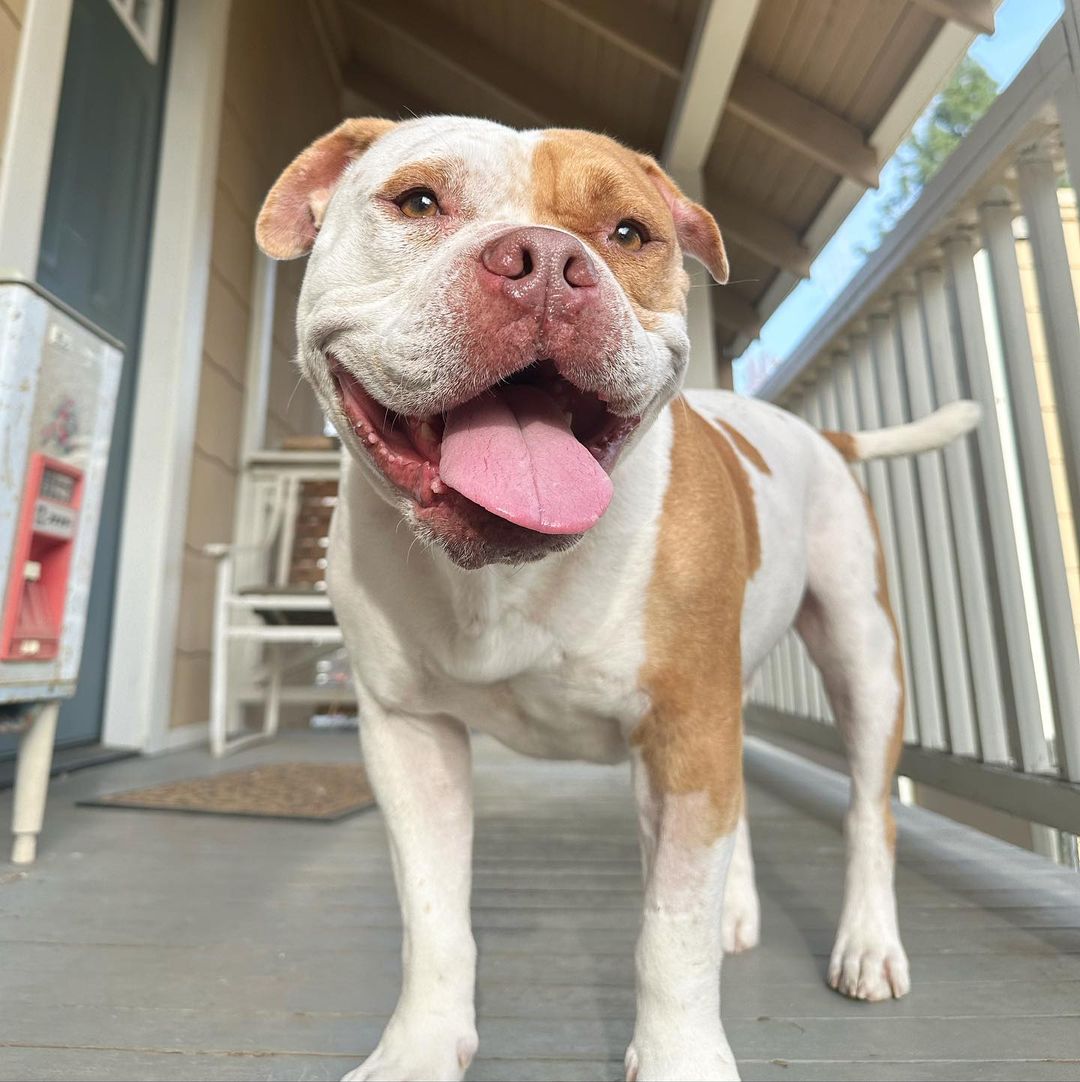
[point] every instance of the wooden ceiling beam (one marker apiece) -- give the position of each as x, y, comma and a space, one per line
759, 232
517, 96
733, 312
635, 28
976, 15
715, 50
802, 124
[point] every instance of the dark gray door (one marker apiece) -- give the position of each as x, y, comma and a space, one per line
94, 249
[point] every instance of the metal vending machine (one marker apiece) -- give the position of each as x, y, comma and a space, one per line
58, 381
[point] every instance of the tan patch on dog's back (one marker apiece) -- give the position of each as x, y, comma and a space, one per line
691, 738
844, 442
748, 450
587, 184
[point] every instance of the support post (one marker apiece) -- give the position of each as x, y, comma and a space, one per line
703, 371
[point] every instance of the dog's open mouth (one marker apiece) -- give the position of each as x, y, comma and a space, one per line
534, 449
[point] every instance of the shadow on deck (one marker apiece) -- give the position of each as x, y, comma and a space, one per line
159, 946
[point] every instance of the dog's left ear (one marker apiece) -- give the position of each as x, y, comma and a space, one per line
698, 233
293, 211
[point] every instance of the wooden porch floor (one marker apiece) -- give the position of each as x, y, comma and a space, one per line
161, 946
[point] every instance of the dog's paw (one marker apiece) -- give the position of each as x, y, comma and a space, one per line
681, 1060
415, 1053
869, 963
740, 925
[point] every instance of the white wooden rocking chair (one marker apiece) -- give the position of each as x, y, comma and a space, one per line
271, 613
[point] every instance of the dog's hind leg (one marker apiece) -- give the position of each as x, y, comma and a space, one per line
740, 927
849, 629
420, 770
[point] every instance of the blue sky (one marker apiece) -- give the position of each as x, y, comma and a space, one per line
1021, 25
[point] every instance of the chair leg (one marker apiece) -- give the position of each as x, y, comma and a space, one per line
32, 782
219, 663
273, 694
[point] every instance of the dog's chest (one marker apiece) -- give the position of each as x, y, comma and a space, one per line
550, 687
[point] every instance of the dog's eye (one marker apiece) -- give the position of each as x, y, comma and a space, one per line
419, 203
630, 235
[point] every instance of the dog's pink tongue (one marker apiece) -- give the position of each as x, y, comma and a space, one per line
513, 453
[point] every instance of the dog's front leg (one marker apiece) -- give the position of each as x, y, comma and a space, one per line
421, 772
678, 1034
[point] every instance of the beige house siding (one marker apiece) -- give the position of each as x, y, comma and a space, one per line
1067, 199
279, 95
12, 13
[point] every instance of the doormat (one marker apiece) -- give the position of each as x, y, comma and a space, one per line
322, 792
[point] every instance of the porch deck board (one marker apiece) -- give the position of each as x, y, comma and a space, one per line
169, 946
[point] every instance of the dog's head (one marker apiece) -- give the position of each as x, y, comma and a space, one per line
488, 316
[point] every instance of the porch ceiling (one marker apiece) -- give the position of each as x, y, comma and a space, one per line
786, 107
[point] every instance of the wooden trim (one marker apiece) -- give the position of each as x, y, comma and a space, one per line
715, 50
802, 124
28, 141
733, 312
515, 94
149, 569
975, 15
760, 233
635, 28
1036, 797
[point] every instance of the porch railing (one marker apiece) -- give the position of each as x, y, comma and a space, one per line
980, 539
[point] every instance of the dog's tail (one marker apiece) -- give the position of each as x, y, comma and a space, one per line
926, 434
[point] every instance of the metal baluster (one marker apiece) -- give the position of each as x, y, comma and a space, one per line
948, 611
922, 634
1055, 607
1038, 196
1035, 754
878, 484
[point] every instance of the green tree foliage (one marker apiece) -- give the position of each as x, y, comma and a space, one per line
953, 113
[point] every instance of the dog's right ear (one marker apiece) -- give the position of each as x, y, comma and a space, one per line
293, 211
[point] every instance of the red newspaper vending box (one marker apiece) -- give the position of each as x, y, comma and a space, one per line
41, 560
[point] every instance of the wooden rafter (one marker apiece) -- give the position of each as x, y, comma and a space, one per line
718, 43
976, 15
759, 232
637, 29
802, 124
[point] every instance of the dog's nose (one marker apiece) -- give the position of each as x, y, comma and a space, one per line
539, 267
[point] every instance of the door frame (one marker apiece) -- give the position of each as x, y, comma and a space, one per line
146, 602
145, 623
28, 141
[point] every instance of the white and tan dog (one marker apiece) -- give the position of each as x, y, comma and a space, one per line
495, 322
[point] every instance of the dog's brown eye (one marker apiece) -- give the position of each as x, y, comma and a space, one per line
629, 235
419, 203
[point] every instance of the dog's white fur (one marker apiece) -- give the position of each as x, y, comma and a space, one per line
546, 656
